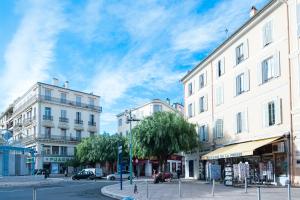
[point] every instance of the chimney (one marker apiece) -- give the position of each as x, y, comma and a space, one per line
253, 11
55, 81
66, 85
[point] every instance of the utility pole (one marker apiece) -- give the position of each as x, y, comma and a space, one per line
129, 119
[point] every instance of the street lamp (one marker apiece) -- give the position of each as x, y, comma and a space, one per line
130, 119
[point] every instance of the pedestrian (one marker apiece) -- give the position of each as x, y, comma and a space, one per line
178, 173
66, 173
135, 190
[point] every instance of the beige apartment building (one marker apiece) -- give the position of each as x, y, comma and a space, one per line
146, 167
52, 119
245, 100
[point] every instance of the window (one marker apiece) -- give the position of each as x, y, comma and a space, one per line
203, 133
220, 67
64, 133
47, 111
239, 51
239, 128
190, 89
91, 102
92, 118
219, 95
63, 151
190, 110
63, 97
202, 80
202, 104
47, 94
298, 19
47, 150
78, 116
269, 68
267, 33
78, 100
78, 134
63, 114
47, 132
242, 83
218, 129
55, 150
271, 113
120, 122
157, 108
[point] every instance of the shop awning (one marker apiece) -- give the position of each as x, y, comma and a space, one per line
238, 150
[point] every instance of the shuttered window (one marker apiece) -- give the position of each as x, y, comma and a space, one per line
267, 33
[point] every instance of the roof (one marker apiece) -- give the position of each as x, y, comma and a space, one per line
231, 37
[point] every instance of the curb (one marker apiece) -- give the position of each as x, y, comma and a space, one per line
105, 192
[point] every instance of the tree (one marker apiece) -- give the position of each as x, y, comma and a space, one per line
100, 149
164, 134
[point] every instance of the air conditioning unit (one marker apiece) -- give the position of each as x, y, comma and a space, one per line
278, 147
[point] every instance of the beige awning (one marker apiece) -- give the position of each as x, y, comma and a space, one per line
238, 150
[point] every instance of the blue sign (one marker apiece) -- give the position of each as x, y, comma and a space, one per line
216, 172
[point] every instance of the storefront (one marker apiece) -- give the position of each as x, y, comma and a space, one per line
55, 164
258, 162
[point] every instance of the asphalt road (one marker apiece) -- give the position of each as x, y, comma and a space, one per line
71, 190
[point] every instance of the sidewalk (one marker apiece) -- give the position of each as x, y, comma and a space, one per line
25, 181
194, 190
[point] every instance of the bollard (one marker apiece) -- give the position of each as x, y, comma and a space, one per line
258, 193
289, 192
147, 189
246, 185
213, 188
179, 188
34, 194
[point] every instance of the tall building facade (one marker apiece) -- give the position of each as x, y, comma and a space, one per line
146, 167
245, 98
52, 120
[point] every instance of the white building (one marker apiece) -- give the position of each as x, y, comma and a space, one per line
145, 167
52, 119
245, 96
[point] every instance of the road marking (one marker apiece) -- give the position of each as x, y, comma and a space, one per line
7, 191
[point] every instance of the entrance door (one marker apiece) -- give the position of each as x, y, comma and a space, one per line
191, 168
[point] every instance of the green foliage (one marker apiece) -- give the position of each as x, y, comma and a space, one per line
100, 149
164, 134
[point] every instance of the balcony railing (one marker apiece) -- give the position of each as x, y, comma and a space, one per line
64, 119
78, 121
69, 102
58, 137
48, 117
92, 123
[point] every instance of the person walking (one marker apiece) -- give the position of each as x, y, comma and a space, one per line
178, 173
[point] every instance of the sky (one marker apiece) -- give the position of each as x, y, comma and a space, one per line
128, 52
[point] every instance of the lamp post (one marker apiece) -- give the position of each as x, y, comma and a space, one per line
130, 119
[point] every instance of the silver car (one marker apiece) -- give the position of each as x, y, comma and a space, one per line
125, 175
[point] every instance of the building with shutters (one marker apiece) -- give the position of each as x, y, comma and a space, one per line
245, 99
52, 119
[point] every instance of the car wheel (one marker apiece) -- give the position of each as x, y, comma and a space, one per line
112, 178
73, 178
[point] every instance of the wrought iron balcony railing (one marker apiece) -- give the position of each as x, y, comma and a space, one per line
78, 121
64, 119
48, 117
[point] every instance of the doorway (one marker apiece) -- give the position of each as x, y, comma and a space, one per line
191, 168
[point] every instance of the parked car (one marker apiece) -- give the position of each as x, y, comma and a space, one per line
84, 175
162, 177
125, 175
96, 171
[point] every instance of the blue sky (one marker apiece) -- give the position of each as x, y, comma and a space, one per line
128, 52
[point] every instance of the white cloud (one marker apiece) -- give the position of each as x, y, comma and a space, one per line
31, 50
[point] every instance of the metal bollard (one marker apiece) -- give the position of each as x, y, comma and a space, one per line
289, 192
246, 185
179, 189
147, 189
213, 188
258, 193
34, 194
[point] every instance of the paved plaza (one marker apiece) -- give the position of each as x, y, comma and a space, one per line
193, 190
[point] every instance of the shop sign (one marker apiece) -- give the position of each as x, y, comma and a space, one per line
57, 159
238, 154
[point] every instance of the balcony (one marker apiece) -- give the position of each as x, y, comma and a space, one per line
57, 138
78, 124
78, 121
47, 121
28, 121
92, 123
17, 126
68, 102
63, 123
92, 126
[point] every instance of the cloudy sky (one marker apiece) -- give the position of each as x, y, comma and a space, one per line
128, 52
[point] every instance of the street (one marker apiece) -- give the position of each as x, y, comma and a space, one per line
70, 190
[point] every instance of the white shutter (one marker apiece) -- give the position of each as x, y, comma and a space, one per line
277, 103
235, 122
223, 65
246, 48
270, 31
246, 80
245, 120
206, 132
265, 118
264, 35
298, 19
222, 94
259, 73
234, 86
276, 63
205, 106
194, 111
